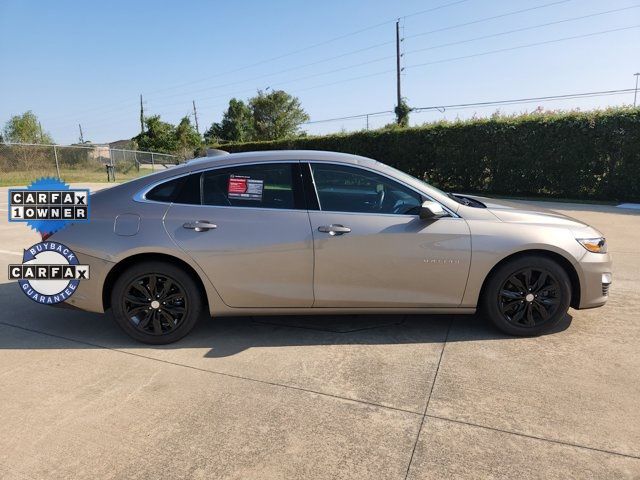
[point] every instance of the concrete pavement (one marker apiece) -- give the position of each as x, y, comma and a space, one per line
381, 397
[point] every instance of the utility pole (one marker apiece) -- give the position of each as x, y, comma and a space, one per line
398, 69
40, 127
195, 116
81, 136
635, 95
141, 116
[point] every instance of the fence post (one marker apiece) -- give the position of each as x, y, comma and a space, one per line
153, 166
135, 157
55, 154
113, 166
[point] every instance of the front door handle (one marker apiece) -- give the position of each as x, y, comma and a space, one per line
200, 225
334, 229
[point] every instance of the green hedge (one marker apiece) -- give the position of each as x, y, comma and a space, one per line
580, 155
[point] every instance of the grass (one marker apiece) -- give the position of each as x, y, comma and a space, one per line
8, 179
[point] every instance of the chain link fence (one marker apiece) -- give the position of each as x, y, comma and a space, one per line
22, 163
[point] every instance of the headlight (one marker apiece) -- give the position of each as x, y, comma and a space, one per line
594, 245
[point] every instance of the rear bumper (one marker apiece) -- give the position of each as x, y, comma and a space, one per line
88, 295
595, 280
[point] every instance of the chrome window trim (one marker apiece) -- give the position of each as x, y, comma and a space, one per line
140, 196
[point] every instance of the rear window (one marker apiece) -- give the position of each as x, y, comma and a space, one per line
179, 190
166, 192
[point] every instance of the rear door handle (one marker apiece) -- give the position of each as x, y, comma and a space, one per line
334, 229
200, 225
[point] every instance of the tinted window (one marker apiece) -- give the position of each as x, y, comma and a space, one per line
275, 185
189, 193
180, 190
350, 189
166, 192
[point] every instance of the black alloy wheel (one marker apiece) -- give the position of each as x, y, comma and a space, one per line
157, 302
527, 295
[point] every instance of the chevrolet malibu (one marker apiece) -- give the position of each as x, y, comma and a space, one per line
306, 232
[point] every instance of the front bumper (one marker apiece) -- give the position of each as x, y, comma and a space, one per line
595, 279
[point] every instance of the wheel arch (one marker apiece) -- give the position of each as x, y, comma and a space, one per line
127, 262
566, 265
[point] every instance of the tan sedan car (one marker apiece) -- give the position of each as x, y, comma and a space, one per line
307, 232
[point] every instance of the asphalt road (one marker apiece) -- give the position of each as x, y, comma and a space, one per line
357, 397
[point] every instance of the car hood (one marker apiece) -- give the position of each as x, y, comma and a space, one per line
516, 212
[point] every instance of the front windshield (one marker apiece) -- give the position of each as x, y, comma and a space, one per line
411, 179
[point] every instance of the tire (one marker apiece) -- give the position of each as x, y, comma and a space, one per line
168, 317
527, 296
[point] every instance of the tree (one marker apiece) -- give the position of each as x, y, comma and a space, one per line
158, 137
236, 125
402, 113
188, 138
276, 115
25, 128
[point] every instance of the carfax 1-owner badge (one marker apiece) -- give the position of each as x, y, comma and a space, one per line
49, 272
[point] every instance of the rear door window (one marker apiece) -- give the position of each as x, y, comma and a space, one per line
265, 185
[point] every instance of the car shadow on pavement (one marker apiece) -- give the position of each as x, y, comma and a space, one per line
231, 335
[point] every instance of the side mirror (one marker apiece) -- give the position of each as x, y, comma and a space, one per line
431, 211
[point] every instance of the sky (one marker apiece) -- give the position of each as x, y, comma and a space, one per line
87, 62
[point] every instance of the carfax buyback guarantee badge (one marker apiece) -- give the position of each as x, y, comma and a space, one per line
50, 272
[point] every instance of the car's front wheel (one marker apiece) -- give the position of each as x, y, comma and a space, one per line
527, 296
156, 302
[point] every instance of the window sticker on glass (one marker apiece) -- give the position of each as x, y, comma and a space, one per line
245, 188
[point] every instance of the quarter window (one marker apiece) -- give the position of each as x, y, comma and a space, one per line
184, 190
274, 185
349, 189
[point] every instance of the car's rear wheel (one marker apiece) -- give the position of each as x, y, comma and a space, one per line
527, 296
156, 302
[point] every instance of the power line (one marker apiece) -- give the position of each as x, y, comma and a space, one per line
306, 77
286, 70
421, 64
439, 7
436, 61
442, 60
486, 19
494, 103
319, 44
457, 106
508, 49
518, 30
379, 59
111, 106
380, 45
426, 63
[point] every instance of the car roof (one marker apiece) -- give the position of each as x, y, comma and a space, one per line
275, 155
